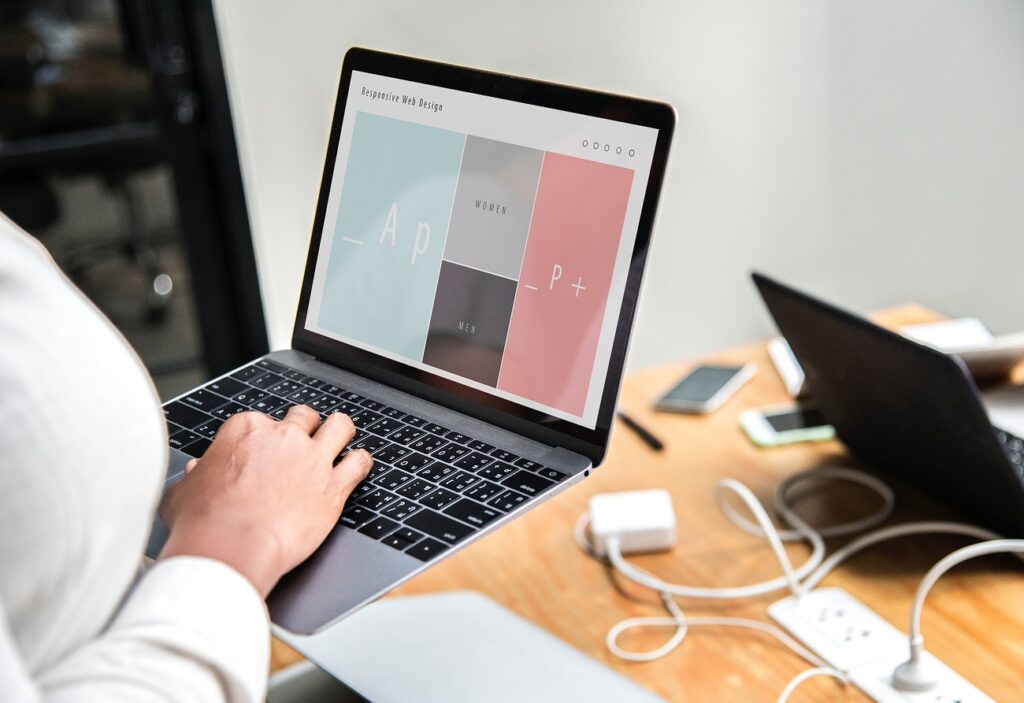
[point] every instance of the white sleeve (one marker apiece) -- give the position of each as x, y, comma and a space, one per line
192, 629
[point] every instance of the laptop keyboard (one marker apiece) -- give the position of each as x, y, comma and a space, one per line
430, 487
1014, 448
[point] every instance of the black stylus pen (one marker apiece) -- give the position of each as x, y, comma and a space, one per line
642, 432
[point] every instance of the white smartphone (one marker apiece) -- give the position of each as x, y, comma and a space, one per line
705, 388
786, 424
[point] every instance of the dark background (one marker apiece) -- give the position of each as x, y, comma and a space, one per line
117, 151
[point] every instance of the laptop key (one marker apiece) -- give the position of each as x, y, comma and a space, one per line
435, 471
412, 462
392, 412
392, 453
474, 461
457, 437
304, 396
439, 526
384, 426
198, 448
426, 549
297, 376
343, 406
472, 512
477, 445
226, 387
184, 415
416, 489
434, 428
284, 387
207, 401
439, 498
250, 396
459, 481
402, 539
528, 483
401, 509
553, 474
269, 404
505, 456
362, 488
405, 435
377, 471
248, 373
182, 438
371, 404
377, 499
427, 443
209, 428
323, 405
370, 443
497, 471
271, 366
226, 411
282, 411
450, 452
527, 464
507, 501
364, 418
356, 516
266, 380
414, 420
484, 491
378, 527
393, 479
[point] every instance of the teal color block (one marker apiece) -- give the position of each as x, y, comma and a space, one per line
399, 183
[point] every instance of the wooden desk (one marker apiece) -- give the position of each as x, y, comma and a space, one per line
974, 618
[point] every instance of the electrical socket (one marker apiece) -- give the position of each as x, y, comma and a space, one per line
853, 638
875, 679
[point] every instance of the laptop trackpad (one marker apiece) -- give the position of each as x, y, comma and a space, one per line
457, 647
1005, 407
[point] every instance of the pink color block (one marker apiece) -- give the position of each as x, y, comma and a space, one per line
553, 334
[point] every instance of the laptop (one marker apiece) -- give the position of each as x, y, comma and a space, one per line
904, 407
469, 292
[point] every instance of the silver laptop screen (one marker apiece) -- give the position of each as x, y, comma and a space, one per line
484, 240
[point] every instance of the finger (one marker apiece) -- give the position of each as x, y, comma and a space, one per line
191, 465
350, 471
304, 416
334, 433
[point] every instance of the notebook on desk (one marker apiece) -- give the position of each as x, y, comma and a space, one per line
904, 407
476, 255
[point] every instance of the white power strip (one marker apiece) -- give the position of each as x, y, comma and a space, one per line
853, 638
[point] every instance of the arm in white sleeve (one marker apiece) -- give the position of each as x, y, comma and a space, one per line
192, 629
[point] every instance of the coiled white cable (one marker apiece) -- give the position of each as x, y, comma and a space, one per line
798, 580
809, 674
915, 674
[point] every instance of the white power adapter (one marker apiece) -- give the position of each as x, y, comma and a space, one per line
642, 521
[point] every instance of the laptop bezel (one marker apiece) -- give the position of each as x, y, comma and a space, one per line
516, 418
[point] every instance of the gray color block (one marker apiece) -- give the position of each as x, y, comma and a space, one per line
493, 204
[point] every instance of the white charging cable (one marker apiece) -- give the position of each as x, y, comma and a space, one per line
798, 580
683, 623
915, 674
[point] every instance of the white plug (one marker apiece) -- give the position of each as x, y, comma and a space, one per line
642, 521
915, 674
853, 638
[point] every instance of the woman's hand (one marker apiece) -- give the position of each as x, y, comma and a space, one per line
265, 494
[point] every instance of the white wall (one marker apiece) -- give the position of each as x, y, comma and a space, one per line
870, 150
